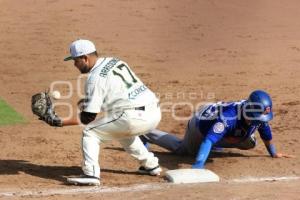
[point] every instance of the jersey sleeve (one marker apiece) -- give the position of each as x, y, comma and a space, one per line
202, 154
215, 134
265, 131
217, 131
94, 95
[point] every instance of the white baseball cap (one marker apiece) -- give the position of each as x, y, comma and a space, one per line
79, 48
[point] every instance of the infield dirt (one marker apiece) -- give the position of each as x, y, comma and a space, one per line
188, 52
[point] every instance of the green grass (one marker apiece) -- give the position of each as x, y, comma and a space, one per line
8, 116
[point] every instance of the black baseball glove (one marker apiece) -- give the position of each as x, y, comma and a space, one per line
41, 105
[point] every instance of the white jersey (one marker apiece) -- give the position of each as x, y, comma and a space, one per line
112, 85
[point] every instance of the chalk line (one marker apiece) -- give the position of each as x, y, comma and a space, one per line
132, 188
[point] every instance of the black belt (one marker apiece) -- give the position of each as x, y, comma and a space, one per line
143, 107
140, 108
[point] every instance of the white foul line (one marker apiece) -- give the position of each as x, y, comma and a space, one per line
81, 190
262, 179
132, 188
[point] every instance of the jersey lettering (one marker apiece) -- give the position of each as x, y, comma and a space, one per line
108, 67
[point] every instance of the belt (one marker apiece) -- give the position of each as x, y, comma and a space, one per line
140, 108
143, 108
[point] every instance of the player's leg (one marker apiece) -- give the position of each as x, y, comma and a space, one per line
163, 139
135, 147
90, 150
141, 122
188, 145
100, 130
90, 166
249, 143
193, 137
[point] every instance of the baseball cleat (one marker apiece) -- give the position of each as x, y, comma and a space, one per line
153, 171
84, 180
147, 145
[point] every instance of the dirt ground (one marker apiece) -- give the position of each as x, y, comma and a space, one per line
188, 52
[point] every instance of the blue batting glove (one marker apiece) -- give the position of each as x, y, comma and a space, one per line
198, 165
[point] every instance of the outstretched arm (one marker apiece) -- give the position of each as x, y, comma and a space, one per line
266, 135
71, 122
272, 150
85, 118
203, 153
215, 133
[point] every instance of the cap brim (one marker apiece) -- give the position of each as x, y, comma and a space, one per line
68, 58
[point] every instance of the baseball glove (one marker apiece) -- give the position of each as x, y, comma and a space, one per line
41, 105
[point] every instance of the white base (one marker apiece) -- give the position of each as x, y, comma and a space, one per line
191, 176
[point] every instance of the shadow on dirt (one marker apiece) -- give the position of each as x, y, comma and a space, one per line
114, 171
58, 173
14, 167
171, 161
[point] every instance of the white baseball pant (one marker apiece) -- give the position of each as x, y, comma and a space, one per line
124, 126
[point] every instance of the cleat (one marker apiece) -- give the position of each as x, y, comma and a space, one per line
147, 145
153, 171
84, 180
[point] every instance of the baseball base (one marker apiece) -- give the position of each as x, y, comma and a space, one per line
179, 176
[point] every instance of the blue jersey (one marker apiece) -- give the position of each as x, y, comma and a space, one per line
221, 120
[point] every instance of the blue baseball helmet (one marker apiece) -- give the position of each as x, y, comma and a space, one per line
259, 106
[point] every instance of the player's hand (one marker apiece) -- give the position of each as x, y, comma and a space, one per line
281, 155
197, 165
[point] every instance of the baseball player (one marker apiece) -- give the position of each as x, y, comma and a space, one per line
222, 125
131, 110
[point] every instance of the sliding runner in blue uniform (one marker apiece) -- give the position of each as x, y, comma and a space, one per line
222, 125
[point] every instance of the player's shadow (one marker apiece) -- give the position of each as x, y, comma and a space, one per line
171, 161
114, 171
166, 159
58, 173
14, 167
225, 153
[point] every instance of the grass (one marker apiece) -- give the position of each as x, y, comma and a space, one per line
8, 116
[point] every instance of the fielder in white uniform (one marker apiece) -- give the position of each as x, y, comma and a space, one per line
131, 110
